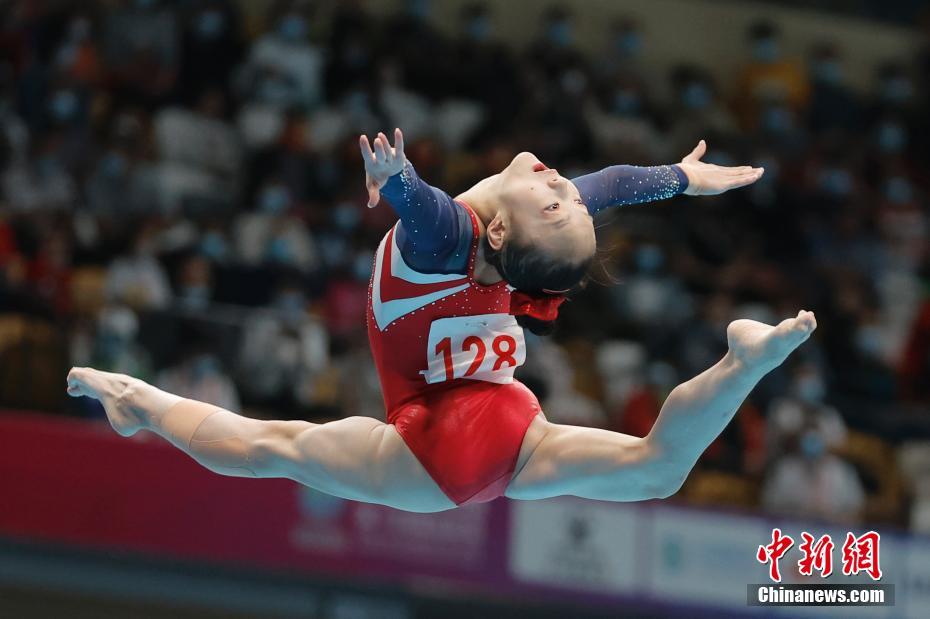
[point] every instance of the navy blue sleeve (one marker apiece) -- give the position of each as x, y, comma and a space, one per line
435, 233
626, 184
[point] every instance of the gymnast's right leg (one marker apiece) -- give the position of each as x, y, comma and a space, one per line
357, 458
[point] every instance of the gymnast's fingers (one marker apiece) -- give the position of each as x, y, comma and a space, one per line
399, 143
696, 154
380, 153
368, 155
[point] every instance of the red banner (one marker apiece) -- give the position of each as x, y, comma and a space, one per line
74, 481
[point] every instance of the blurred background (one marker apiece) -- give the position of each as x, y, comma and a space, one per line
182, 200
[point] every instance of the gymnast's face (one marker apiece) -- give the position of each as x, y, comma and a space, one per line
544, 209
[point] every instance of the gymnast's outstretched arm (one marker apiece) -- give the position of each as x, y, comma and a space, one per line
620, 185
434, 234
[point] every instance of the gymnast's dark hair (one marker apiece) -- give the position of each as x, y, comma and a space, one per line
533, 271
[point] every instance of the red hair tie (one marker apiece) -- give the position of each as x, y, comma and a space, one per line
545, 308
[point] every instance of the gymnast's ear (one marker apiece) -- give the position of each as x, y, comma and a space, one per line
496, 232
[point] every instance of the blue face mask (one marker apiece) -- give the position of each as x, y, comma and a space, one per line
869, 341
279, 250
898, 190
897, 89
333, 248
777, 119
649, 259
196, 295
418, 8
213, 246
290, 302
346, 217
113, 165
64, 105
204, 366
765, 50
891, 138
696, 96
479, 29
357, 102
812, 445
275, 199
836, 181
626, 102
810, 389
628, 43
211, 24
828, 72
560, 33
362, 266
293, 28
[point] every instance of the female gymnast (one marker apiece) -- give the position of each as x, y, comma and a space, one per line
454, 283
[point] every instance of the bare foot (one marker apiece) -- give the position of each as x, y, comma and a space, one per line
115, 391
764, 347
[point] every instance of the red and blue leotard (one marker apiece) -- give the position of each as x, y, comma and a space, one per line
446, 346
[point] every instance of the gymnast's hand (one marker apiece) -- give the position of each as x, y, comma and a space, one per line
707, 179
381, 163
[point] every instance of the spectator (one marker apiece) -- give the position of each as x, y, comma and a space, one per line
810, 482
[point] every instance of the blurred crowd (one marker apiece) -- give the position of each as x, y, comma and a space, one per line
183, 201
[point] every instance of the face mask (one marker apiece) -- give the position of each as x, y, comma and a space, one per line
810, 389
333, 248
649, 259
64, 105
897, 89
777, 119
696, 96
361, 266
279, 251
113, 165
765, 50
46, 165
79, 30
357, 102
290, 302
205, 366
213, 246
827, 72
346, 217
275, 199
898, 190
275, 89
196, 295
211, 24
891, 138
560, 33
628, 43
836, 181
479, 29
418, 8
626, 102
869, 341
293, 28
812, 445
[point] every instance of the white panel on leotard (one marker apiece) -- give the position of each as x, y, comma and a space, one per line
386, 312
454, 349
400, 269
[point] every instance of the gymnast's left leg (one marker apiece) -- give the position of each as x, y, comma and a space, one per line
592, 463
356, 458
